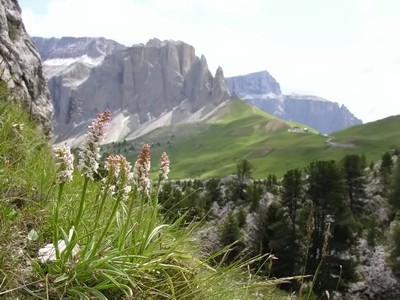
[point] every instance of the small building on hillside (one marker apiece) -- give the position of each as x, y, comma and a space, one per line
298, 129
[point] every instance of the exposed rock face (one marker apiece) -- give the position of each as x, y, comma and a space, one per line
375, 277
73, 58
378, 280
70, 47
20, 66
162, 79
259, 83
262, 90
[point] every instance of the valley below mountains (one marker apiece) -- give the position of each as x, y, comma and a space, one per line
163, 94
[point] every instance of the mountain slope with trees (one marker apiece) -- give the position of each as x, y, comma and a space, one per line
334, 221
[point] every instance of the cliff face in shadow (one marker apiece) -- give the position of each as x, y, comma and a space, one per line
21, 68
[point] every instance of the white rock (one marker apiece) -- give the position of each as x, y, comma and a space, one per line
48, 252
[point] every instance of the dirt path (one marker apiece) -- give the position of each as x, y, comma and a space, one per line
341, 145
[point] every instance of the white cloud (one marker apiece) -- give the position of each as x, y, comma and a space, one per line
365, 6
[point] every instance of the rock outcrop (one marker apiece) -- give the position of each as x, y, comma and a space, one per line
21, 68
71, 47
377, 278
73, 58
262, 90
161, 79
259, 83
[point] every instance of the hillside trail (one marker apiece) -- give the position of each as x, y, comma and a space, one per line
339, 145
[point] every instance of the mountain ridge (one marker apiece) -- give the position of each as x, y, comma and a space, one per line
262, 90
158, 80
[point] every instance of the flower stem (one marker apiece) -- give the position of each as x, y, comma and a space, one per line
127, 221
108, 224
101, 206
81, 204
56, 215
92, 237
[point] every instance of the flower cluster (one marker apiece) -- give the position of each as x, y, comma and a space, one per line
164, 166
89, 154
120, 171
99, 127
65, 162
141, 172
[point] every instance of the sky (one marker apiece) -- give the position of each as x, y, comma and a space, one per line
346, 51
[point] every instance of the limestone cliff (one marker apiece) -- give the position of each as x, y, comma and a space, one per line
144, 82
258, 83
20, 66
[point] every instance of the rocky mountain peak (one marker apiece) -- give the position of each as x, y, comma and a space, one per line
219, 86
146, 82
262, 90
155, 43
72, 47
21, 66
258, 83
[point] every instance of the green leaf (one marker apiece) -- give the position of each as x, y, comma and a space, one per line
61, 278
154, 233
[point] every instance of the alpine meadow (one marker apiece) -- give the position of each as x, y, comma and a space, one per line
134, 172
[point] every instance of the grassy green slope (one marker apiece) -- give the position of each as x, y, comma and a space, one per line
241, 131
212, 149
373, 138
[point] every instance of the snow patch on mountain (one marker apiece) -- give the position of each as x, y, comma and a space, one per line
260, 96
307, 97
80, 67
69, 61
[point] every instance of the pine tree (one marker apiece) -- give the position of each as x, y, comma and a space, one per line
292, 198
386, 170
213, 191
394, 257
270, 236
230, 234
256, 191
394, 194
387, 162
332, 218
244, 170
353, 169
272, 184
292, 194
239, 188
